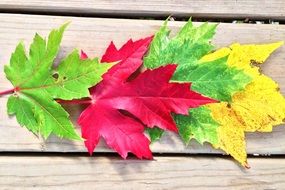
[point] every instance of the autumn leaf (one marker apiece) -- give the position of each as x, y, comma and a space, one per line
228, 71
120, 108
37, 84
213, 78
257, 108
230, 132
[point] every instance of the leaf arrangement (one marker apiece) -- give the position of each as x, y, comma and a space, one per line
135, 93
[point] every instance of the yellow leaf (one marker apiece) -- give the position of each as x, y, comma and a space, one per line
243, 55
230, 132
259, 107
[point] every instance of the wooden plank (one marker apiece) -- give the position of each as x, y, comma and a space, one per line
93, 35
274, 9
164, 173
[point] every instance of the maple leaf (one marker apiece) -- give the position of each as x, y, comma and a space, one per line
223, 124
213, 78
121, 107
37, 85
259, 107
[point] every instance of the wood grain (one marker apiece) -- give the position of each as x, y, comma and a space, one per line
256, 9
93, 35
28, 172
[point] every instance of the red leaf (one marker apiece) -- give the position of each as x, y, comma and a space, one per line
149, 99
121, 133
129, 55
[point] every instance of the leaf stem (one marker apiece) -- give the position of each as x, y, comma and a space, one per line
82, 101
6, 92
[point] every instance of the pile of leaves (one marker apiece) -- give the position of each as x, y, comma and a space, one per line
137, 92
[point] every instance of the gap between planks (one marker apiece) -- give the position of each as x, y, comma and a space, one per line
130, 156
93, 35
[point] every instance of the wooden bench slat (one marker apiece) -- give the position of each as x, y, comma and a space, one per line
93, 35
26, 172
274, 9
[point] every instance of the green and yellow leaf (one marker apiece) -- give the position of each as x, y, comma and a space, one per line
259, 107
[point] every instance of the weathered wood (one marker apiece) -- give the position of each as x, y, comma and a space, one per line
274, 9
93, 35
163, 173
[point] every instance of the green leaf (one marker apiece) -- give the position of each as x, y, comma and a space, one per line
37, 84
187, 47
199, 125
154, 133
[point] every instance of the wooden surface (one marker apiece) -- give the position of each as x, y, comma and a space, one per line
55, 172
27, 167
254, 9
93, 35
